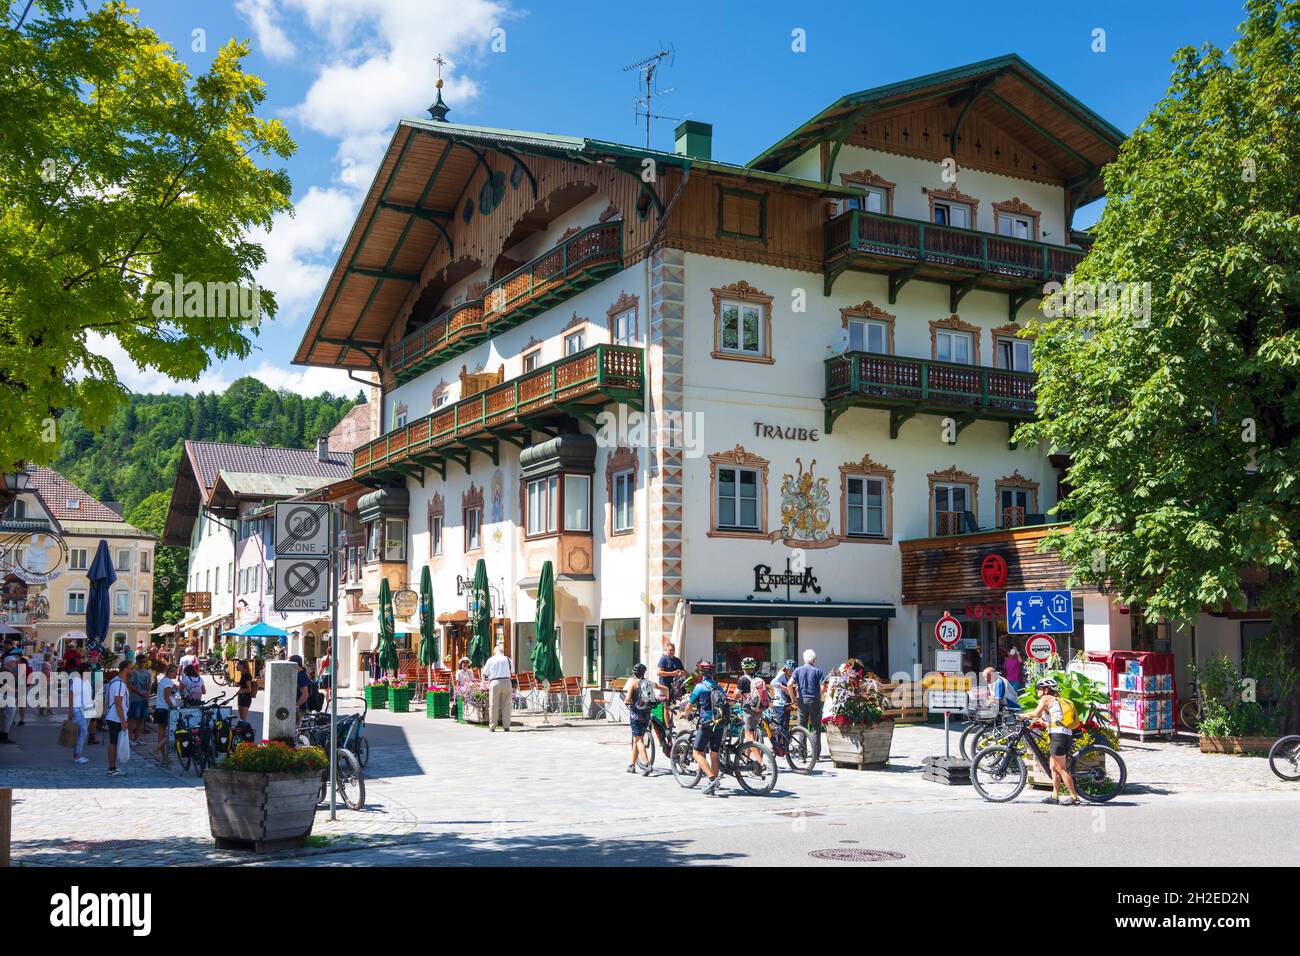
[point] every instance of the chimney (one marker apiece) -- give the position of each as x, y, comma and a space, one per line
323, 448
694, 139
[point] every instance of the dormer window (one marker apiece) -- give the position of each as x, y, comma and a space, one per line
73, 504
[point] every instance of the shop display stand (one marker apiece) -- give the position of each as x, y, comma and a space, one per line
1142, 697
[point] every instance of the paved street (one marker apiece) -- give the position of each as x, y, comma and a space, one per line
438, 792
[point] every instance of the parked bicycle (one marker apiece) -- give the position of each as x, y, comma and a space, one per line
750, 762
1189, 713
199, 744
793, 743
349, 779
216, 670
998, 724
999, 772
1284, 757
658, 731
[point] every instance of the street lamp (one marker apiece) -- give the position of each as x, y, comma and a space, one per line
18, 481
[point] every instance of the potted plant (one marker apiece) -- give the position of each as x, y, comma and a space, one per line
376, 692
264, 795
399, 695
1230, 724
474, 703
437, 701
858, 734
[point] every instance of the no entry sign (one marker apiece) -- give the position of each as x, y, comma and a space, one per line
947, 631
1040, 647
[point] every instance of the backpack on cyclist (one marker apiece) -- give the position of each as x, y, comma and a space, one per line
757, 700
720, 706
1069, 716
315, 699
646, 696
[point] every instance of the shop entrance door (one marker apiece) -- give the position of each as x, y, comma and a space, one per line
867, 643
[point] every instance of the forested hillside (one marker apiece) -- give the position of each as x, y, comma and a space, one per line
137, 453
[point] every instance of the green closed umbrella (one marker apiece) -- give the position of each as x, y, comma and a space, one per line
387, 648
545, 657
481, 620
428, 635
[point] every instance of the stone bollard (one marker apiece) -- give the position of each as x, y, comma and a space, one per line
279, 722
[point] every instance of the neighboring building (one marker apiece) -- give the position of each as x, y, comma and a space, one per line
44, 585
216, 511
814, 363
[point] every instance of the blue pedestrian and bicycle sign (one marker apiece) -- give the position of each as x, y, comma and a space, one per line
1040, 612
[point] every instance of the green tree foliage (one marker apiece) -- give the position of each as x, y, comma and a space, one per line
169, 563
1184, 431
119, 168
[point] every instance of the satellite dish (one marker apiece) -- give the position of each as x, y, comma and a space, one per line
840, 343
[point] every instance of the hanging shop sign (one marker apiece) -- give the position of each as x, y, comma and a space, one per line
765, 580
405, 603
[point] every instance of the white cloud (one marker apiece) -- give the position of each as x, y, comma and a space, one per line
269, 35
151, 381
301, 249
306, 381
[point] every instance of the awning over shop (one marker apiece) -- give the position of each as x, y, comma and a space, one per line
842, 609
210, 619
165, 629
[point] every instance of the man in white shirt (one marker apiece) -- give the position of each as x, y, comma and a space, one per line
498, 672
187, 659
115, 714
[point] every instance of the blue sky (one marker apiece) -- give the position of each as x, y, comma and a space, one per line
341, 72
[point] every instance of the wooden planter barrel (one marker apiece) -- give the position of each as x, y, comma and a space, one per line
859, 748
260, 811
1236, 745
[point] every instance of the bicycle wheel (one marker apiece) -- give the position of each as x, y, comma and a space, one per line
966, 744
799, 751
998, 774
220, 677
754, 767
349, 779
363, 750
649, 740
1099, 773
200, 757
686, 771
1190, 714
301, 739
1284, 758
182, 753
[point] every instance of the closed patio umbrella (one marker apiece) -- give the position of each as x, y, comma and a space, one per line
480, 617
545, 658
387, 649
102, 576
428, 629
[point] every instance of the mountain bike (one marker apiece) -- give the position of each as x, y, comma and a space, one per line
349, 779
999, 772
658, 730
795, 744
750, 762
998, 724
1284, 758
200, 745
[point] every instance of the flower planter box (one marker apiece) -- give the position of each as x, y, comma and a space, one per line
1236, 745
376, 696
474, 714
260, 811
859, 748
399, 699
437, 704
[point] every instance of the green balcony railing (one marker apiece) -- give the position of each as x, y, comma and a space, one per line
579, 261
593, 377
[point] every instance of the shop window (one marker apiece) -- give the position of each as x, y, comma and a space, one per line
739, 495
620, 646
742, 214
525, 641
768, 641
742, 320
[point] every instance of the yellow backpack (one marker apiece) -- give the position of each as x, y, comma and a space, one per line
1069, 716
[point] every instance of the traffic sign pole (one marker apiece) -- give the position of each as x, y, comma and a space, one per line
334, 655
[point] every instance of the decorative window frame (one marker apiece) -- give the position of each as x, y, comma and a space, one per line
869, 312
723, 193
528, 353
437, 509
953, 194
469, 501
742, 291
1018, 482
866, 177
1016, 207
952, 476
402, 411
1010, 331
954, 323
738, 458
866, 468
621, 461
441, 389
624, 303
578, 323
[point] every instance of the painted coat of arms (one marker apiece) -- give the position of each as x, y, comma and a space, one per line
805, 506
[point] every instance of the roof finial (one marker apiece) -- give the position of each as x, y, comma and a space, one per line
439, 109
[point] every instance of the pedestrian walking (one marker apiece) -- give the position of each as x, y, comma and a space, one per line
116, 714
192, 686
164, 703
9, 708
324, 678
641, 695
500, 674
141, 688
247, 688
810, 682
81, 704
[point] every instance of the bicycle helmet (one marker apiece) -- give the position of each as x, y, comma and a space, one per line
789, 664
749, 664
705, 667
1047, 683
638, 670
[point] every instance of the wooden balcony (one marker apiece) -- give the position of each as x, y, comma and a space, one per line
962, 259
582, 260
907, 386
577, 386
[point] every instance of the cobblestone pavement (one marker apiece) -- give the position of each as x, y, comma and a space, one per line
437, 785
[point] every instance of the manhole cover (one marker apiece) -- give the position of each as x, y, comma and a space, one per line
856, 856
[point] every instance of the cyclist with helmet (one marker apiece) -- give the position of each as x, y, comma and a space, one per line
781, 689
748, 688
708, 699
1060, 718
641, 696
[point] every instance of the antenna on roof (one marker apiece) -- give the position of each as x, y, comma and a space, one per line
439, 109
649, 69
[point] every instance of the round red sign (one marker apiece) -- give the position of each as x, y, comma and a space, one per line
947, 631
994, 571
1040, 647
